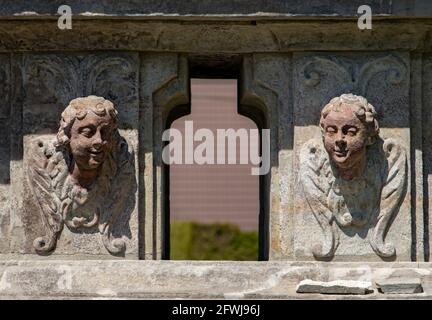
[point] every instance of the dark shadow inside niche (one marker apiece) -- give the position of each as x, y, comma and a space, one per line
258, 116
5, 157
215, 66
219, 66
427, 176
176, 113
427, 153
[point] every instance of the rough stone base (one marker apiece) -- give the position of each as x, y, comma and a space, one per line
97, 279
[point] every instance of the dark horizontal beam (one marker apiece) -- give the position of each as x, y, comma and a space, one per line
181, 8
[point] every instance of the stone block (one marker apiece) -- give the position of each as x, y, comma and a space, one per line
399, 285
335, 287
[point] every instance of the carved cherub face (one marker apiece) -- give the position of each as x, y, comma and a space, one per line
348, 125
87, 131
344, 137
91, 140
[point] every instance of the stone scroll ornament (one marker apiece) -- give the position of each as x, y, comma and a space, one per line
352, 178
81, 178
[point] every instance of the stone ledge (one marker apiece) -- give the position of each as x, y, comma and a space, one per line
125, 279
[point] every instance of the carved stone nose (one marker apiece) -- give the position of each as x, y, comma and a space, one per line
97, 144
341, 144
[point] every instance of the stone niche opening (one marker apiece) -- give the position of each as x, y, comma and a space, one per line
224, 201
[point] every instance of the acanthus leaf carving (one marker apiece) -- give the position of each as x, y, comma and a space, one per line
44, 174
110, 77
313, 69
394, 68
350, 73
392, 195
51, 79
315, 171
55, 78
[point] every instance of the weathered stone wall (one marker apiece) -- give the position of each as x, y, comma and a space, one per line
289, 68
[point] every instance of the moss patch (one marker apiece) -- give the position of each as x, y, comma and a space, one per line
196, 241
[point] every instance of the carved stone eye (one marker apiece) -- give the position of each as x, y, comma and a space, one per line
87, 132
352, 132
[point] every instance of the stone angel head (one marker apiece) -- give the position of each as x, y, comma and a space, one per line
352, 179
348, 124
81, 178
88, 134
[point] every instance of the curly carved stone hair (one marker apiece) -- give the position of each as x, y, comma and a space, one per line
78, 109
361, 108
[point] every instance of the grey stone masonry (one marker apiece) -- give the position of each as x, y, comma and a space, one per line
348, 196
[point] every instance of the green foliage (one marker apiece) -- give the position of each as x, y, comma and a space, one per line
196, 241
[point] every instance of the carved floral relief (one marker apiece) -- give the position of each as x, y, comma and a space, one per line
52, 80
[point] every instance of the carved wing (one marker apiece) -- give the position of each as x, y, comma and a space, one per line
314, 176
392, 196
122, 188
40, 173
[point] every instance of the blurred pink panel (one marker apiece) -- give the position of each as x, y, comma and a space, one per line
215, 193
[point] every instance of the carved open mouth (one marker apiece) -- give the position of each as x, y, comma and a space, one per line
340, 153
95, 152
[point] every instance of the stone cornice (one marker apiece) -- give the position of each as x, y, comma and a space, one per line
212, 37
